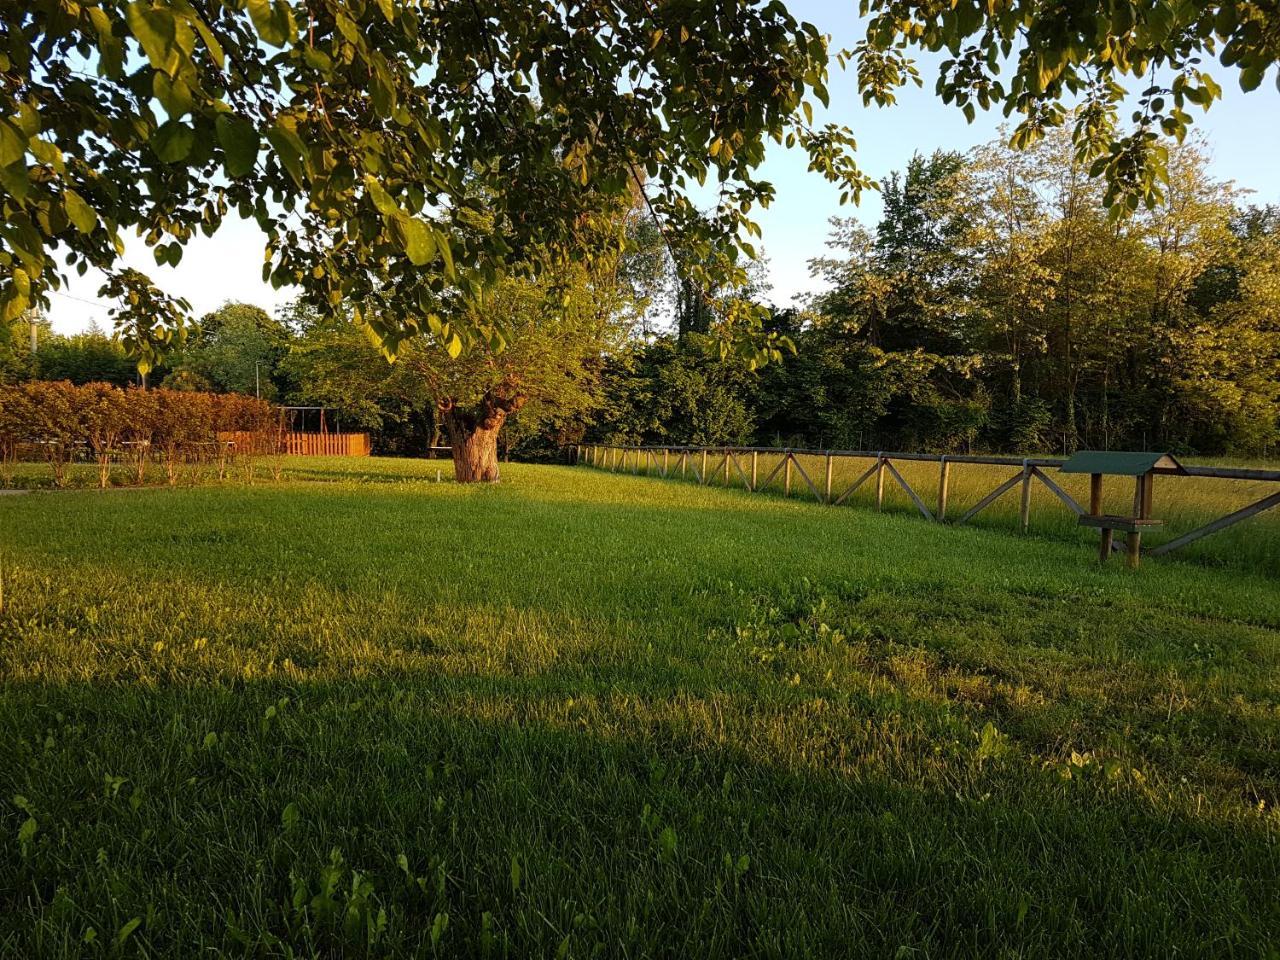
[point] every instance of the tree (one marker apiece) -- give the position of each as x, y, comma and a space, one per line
89, 357
364, 137
675, 390
234, 349
548, 371
332, 364
1004, 308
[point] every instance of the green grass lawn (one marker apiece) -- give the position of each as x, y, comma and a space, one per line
586, 715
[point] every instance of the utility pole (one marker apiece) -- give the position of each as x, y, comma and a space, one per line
34, 315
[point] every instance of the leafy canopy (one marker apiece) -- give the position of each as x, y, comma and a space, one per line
361, 136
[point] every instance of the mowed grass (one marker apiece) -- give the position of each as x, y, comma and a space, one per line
583, 715
1183, 503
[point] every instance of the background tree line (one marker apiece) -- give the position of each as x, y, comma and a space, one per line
995, 306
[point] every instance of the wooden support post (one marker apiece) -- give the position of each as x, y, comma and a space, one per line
684, 464
726, 466
1104, 551
879, 481
1141, 510
944, 483
665, 453
703, 477
827, 496
786, 482
755, 463
1025, 514
1095, 494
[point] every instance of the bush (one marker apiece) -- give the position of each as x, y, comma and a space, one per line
60, 420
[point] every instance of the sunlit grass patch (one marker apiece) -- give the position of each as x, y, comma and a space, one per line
358, 712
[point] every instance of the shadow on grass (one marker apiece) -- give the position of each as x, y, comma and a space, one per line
211, 812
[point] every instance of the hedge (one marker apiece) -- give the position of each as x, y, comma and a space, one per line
58, 420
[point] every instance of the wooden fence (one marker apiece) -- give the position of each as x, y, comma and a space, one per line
309, 444
741, 466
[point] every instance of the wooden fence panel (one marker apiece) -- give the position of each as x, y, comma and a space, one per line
306, 444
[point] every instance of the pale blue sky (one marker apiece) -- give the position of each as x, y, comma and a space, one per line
1243, 131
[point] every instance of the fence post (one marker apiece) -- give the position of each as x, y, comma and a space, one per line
726, 466
755, 462
684, 464
828, 497
786, 484
944, 482
880, 480
665, 454
703, 477
1025, 514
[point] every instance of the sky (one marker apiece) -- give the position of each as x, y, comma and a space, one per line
1243, 133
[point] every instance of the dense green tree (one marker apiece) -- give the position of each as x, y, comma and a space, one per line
545, 376
234, 349
89, 357
996, 305
675, 390
332, 364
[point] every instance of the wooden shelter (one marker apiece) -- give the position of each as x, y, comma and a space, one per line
1143, 467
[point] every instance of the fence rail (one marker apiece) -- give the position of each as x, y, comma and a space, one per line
704, 463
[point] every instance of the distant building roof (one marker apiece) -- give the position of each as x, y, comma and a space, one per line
1124, 463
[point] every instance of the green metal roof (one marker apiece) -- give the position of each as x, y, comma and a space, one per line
1124, 463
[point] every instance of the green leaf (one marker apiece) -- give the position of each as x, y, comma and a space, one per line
14, 178
446, 254
419, 245
210, 41
173, 141
13, 144
123, 933
388, 10
27, 832
154, 28
290, 149
79, 212
273, 21
240, 143
174, 95
381, 199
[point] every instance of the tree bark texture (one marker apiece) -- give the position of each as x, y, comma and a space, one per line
473, 435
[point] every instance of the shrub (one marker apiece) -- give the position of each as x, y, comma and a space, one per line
180, 427
105, 416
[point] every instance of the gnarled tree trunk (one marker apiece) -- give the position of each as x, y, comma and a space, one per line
473, 435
